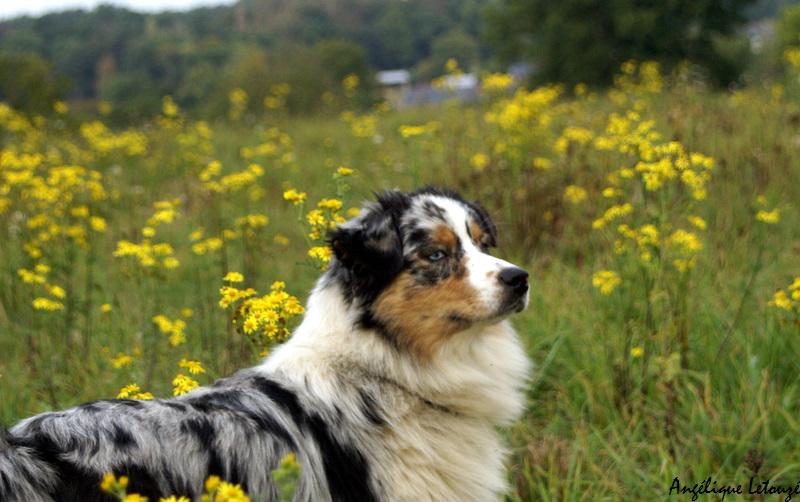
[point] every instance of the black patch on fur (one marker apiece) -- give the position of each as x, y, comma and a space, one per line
175, 485
131, 403
370, 254
121, 438
140, 480
90, 407
433, 211
35, 424
203, 430
175, 406
281, 396
478, 211
231, 401
74, 482
370, 408
346, 469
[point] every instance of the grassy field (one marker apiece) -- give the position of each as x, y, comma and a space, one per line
658, 220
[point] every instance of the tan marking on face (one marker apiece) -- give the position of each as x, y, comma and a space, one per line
423, 317
476, 232
445, 237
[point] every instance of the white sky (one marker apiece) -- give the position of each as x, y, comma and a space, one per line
13, 8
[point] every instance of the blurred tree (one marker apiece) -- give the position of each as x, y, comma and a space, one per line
586, 40
131, 59
456, 44
788, 27
29, 83
341, 57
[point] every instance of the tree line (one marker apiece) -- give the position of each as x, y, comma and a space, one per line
130, 59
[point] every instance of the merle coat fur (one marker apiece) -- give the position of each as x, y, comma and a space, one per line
392, 388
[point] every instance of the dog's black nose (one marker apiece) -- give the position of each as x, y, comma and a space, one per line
515, 278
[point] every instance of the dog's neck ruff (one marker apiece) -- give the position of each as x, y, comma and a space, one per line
480, 373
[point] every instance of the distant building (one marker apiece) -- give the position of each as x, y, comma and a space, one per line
522, 71
461, 83
395, 84
761, 34
398, 90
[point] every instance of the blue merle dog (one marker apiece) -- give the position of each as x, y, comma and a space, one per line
392, 388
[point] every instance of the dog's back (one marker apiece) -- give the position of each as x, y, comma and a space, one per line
239, 429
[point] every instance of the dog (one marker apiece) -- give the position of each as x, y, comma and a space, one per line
391, 388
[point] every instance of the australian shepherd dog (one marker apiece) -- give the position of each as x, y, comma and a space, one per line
392, 388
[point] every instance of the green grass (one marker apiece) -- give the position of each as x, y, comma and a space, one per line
733, 402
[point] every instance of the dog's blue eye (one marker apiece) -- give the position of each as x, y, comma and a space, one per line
436, 255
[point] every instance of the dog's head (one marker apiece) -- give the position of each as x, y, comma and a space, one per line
418, 268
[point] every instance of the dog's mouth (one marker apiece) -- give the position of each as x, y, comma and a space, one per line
513, 306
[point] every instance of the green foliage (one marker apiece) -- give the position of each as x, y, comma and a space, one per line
787, 29
590, 428
132, 59
585, 41
29, 83
456, 44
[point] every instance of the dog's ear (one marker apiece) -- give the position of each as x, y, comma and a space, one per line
486, 223
370, 246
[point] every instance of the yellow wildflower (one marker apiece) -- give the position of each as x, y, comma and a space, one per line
780, 300
194, 367
212, 483
606, 281
294, 196
575, 194
769, 217
227, 492
542, 163
97, 223
132, 391
321, 253
171, 262
121, 361
60, 107
497, 82
409, 131
479, 161
183, 384
697, 221
47, 304
233, 277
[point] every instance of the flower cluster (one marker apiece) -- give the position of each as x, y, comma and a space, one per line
216, 490
214, 181
132, 391
172, 328
151, 254
38, 278
326, 216
787, 299
264, 319
606, 281
497, 82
